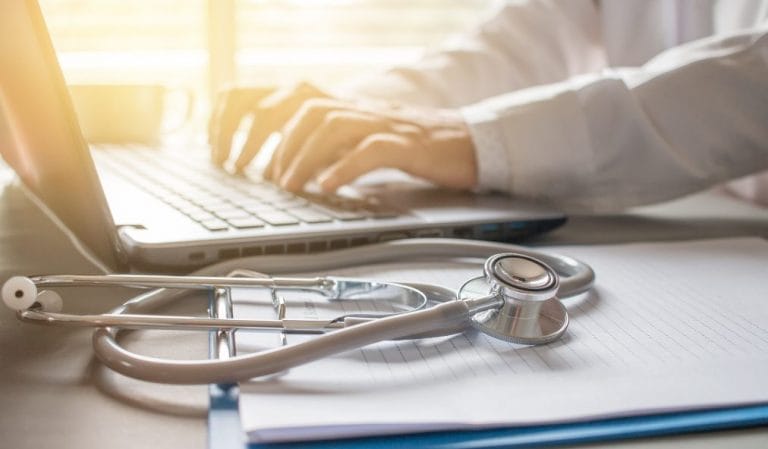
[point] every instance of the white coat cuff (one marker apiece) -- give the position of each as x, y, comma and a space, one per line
490, 153
534, 144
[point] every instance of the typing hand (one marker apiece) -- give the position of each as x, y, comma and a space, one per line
270, 108
337, 141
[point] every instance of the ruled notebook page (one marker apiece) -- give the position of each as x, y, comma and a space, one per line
669, 326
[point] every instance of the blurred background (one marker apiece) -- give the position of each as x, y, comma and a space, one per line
203, 45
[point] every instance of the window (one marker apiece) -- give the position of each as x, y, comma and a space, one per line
328, 41
202, 44
129, 41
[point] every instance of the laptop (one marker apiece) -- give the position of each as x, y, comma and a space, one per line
172, 210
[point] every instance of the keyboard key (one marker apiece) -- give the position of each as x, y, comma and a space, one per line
309, 215
239, 199
185, 207
278, 218
268, 193
221, 205
257, 190
207, 201
215, 225
292, 203
257, 208
200, 215
165, 195
342, 214
252, 203
244, 223
232, 213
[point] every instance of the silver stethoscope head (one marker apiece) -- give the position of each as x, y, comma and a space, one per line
515, 300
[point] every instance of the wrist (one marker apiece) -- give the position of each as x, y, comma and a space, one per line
490, 154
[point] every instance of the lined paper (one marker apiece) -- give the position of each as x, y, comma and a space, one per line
669, 326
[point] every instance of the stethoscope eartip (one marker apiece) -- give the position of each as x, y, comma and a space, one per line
20, 293
50, 301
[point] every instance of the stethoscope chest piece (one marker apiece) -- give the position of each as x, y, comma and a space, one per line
528, 313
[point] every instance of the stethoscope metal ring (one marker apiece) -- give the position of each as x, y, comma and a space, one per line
529, 312
521, 277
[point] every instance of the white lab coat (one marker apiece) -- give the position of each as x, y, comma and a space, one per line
602, 105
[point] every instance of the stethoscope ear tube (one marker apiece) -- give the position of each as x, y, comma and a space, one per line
239, 368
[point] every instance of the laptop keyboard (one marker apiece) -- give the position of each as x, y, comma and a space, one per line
220, 201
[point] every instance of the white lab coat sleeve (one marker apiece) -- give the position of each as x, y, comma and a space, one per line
522, 44
693, 116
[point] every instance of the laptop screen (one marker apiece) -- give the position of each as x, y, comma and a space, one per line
40, 138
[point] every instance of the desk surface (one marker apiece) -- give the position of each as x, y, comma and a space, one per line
53, 393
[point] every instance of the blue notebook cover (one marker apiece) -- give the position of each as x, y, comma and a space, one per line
224, 431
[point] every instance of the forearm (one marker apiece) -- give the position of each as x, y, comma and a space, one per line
693, 117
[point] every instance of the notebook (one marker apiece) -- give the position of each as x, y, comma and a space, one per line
659, 345
160, 208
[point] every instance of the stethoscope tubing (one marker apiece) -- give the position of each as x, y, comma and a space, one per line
449, 315
577, 278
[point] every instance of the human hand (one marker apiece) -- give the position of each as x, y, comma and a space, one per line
338, 140
270, 108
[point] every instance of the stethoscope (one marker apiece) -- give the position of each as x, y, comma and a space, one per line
517, 299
